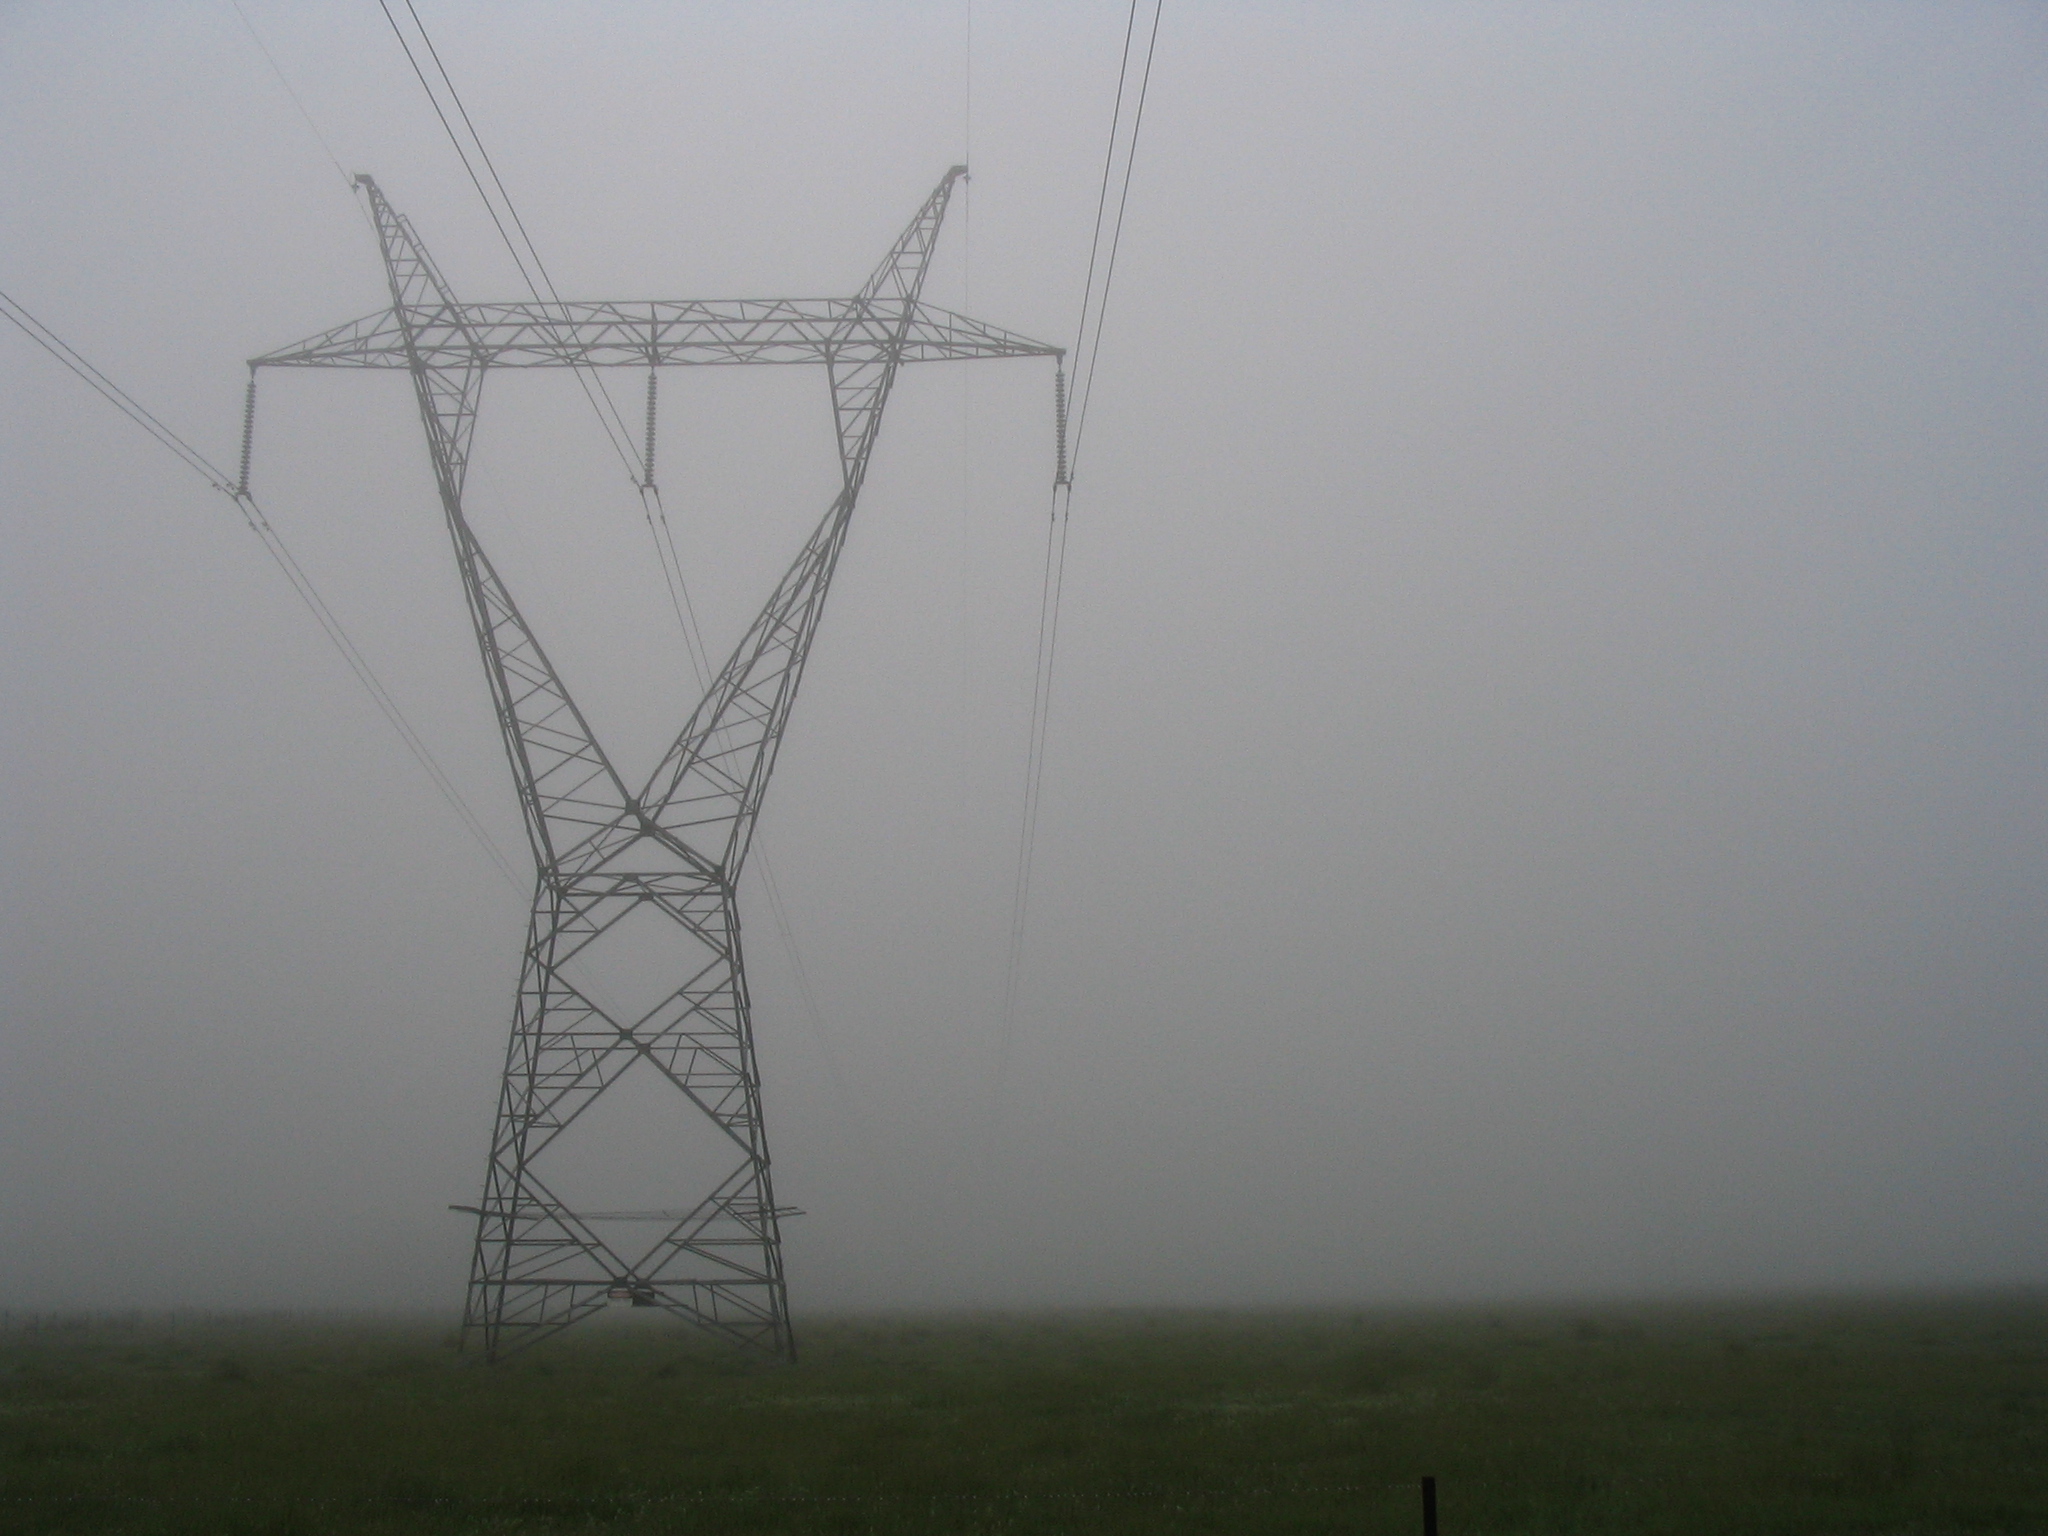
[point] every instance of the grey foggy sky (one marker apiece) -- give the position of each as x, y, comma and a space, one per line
1545, 793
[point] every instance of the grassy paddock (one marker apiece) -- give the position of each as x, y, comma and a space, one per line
1900, 1416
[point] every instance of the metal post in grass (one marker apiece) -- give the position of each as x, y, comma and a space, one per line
1429, 1506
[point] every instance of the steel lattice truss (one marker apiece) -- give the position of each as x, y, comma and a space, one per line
604, 852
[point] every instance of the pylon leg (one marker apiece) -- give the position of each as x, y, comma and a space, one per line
538, 1265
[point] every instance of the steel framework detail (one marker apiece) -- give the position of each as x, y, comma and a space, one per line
604, 852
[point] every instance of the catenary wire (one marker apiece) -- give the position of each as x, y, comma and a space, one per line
616, 432
281, 555
278, 70
1116, 120
1056, 553
1087, 349
1115, 241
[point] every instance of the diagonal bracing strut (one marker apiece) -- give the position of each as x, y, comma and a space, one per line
605, 853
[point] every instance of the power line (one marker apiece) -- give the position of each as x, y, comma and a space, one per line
615, 429
1084, 373
121, 400
281, 556
1118, 160
276, 69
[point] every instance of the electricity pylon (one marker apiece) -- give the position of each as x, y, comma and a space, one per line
604, 852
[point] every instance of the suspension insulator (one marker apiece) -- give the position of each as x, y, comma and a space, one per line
1059, 417
248, 433
647, 484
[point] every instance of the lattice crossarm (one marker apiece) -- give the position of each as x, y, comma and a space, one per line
665, 333
375, 341
937, 335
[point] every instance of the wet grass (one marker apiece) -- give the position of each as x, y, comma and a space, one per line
1926, 1416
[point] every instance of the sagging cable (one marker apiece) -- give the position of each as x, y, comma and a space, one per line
279, 552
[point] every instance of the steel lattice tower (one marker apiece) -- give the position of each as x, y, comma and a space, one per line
604, 852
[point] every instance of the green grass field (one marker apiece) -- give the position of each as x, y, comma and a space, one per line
1896, 1416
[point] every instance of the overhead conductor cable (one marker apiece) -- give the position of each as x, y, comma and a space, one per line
1104, 244
237, 491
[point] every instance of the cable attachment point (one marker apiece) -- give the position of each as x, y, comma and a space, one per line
248, 435
1060, 476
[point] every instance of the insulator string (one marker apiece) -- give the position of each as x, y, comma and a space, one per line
647, 459
248, 434
1059, 418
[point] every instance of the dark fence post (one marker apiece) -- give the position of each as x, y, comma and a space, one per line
1429, 1506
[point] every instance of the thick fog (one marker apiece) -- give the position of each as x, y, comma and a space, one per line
1544, 790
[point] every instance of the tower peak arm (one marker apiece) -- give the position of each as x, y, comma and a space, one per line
902, 272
